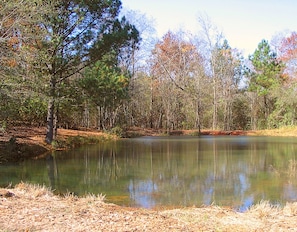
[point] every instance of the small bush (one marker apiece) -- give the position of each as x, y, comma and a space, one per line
118, 131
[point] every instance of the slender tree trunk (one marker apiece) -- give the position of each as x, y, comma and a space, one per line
160, 122
151, 106
99, 122
198, 120
254, 114
215, 107
294, 113
86, 116
50, 132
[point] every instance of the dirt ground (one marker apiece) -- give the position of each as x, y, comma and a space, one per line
35, 208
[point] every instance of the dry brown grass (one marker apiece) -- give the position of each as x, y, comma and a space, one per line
284, 131
35, 208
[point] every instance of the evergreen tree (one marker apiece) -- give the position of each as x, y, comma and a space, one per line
264, 78
106, 87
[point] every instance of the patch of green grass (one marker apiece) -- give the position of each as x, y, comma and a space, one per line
76, 141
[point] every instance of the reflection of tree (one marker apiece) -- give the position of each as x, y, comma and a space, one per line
52, 170
101, 168
88, 174
113, 166
290, 187
215, 150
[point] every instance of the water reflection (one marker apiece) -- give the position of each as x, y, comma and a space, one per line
52, 170
171, 171
143, 193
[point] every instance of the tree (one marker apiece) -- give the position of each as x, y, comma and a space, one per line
140, 56
263, 79
79, 33
227, 70
174, 63
288, 54
20, 90
223, 67
107, 87
18, 20
210, 40
137, 64
286, 104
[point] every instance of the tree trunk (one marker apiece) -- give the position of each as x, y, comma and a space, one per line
50, 132
215, 109
99, 121
254, 113
86, 116
50, 121
198, 120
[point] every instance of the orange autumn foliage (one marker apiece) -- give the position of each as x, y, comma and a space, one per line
289, 47
288, 54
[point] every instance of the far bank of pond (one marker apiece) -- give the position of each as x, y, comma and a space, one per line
23, 142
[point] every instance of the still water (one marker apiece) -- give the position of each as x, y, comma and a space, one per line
171, 171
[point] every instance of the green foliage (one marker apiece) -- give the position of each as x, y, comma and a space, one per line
3, 127
118, 131
285, 110
241, 113
22, 105
265, 79
104, 84
267, 69
33, 110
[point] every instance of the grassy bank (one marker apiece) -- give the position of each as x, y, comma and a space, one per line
283, 131
35, 208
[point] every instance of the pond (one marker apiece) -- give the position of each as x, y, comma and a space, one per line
154, 172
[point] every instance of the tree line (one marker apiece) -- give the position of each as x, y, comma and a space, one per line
88, 64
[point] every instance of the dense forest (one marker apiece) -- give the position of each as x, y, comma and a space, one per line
89, 64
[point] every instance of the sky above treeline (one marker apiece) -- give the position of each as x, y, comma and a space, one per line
244, 23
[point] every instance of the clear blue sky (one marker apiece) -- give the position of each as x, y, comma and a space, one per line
244, 22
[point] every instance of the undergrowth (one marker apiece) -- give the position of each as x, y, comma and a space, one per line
76, 141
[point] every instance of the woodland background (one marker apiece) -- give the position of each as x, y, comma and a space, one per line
88, 64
